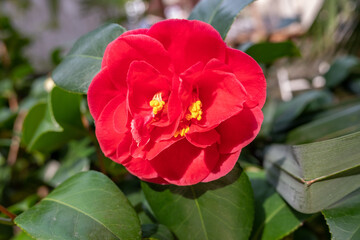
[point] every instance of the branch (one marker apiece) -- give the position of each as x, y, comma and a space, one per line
6, 221
7, 213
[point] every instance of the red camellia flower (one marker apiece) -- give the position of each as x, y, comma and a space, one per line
174, 104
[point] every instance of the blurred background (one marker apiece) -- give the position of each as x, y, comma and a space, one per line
36, 34
308, 49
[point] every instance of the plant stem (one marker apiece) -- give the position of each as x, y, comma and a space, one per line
15, 140
7, 213
6, 221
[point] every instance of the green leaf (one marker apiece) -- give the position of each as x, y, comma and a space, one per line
331, 125
49, 125
86, 206
309, 101
222, 209
268, 52
156, 231
219, 13
83, 62
343, 219
340, 70
274, 219
312, 177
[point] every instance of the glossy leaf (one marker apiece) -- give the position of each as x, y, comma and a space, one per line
77, 70
22, 236
340, 70
274, 218
48, 125
86, 206
222, 209
219, 13
306, 175
268, 52
343, 218
330, 125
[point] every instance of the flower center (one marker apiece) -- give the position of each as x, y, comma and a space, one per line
182, 130
195, 113
157, 103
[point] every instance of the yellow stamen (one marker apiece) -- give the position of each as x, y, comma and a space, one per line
157, 103
195, 111
181, 132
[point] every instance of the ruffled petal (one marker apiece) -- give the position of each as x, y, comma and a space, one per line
222, 97
186, 84
134, 47
101, 91
144, 81
203, 139
123, 149
185, 164
152, 149
240, 130
157, 180
121, 118
141, 168
135, 32
249, 73
188, 42
164, 133
223, 167
109, 139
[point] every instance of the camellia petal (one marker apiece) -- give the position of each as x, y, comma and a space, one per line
185, 163
144, 82
249, 73
203, 139
223, 166
240, 130
105, 129
188, 42
123, 152
141, 167
123, 51
101, 91
222, 97
120, 118
135, 32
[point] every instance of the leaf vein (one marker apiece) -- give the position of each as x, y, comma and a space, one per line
79, 210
